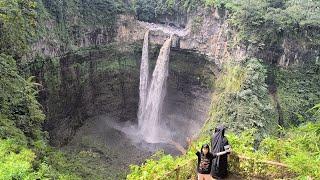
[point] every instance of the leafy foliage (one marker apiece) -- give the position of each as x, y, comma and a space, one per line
271, 28
18, 99
23, 144
241, 99
276, 20
298, 148
89, 12
15, 161
149, 10
70, 20
316, 110
298, 90
17, 25
162, 166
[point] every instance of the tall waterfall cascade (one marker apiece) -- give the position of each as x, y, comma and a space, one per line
144, 78
152, 95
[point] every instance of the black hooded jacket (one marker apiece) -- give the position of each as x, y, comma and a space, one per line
220, 164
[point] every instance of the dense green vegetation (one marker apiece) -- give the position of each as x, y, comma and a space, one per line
242, 99
18, 101
298, 148
21, 138
25, 152
150, 10
267, 23
18, 21
299, 92
71, 20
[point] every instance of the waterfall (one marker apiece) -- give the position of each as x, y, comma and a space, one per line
144, 78
149, 123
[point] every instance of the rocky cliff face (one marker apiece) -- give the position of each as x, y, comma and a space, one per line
80, 37
206, 33
90, 82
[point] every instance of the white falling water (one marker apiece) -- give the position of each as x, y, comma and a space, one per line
144, 78
149, 123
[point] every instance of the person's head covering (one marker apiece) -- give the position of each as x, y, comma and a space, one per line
205, 146
217, 139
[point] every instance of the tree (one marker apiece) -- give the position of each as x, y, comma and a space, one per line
17, 22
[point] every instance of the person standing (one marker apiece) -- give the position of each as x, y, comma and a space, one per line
204, 165
219, 143
205, 160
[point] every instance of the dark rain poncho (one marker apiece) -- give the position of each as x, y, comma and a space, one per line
220, 164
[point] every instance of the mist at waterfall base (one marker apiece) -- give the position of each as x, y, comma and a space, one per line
181, 117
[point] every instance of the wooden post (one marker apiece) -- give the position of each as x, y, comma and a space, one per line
177, 172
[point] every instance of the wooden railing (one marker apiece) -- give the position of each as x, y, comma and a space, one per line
187, 171
250, 167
